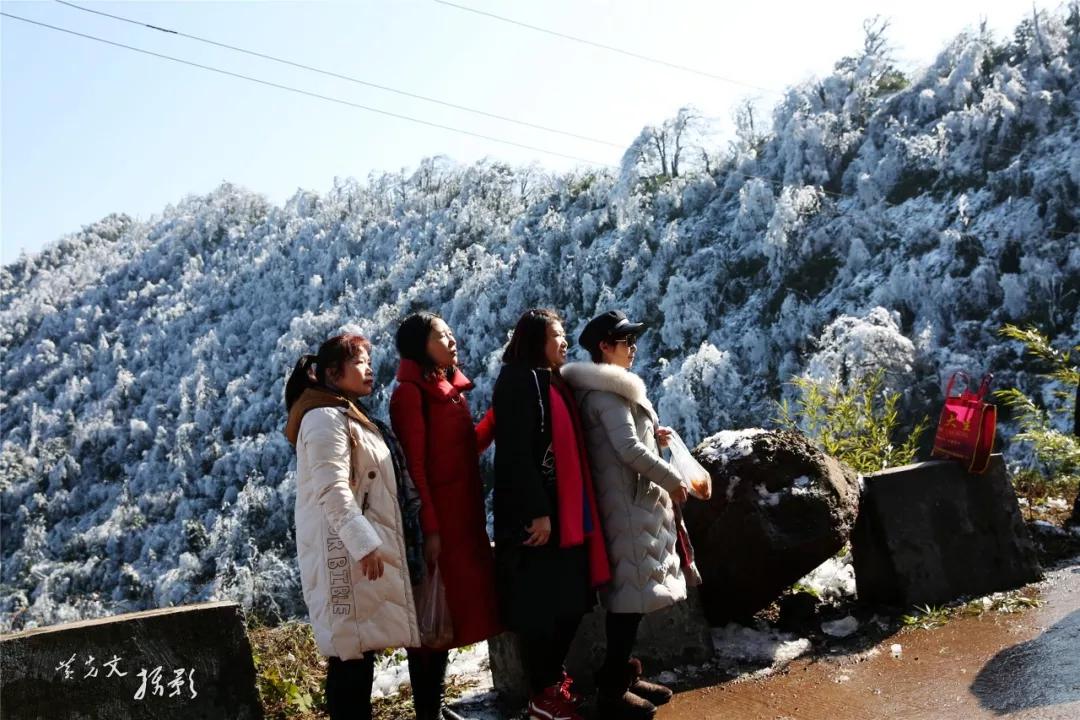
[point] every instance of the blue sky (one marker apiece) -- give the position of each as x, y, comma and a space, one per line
89, 129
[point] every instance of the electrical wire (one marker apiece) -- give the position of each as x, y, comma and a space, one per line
639, 56
437, 101
342, 76
308, 93
610, 48
300, 91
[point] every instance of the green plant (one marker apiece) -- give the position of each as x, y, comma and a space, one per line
802, 588
1057, 453
288, 670
927, 617
856, 425
1013, 601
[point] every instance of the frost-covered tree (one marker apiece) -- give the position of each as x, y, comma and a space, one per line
868, 224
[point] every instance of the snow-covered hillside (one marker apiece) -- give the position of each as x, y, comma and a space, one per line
880, 220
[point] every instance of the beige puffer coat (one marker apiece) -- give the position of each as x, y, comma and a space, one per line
632, 483
346, 506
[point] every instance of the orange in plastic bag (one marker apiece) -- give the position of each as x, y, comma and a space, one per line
433, 614
696, 478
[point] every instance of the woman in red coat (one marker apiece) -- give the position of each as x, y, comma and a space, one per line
432, 420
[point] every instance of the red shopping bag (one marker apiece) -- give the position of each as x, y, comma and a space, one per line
967, 426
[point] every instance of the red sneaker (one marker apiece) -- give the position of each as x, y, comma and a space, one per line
553, 703
565, 690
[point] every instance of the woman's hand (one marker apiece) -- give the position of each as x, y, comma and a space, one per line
662, 435
432, 550
679, 495
371, 565
539, 531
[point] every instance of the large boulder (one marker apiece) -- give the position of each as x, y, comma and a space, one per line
779, 508
931, 532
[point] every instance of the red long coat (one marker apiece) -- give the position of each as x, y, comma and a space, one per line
431, 418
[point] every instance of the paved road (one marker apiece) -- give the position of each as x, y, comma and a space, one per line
1021, 667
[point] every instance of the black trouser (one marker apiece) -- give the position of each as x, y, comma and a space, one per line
622, 631
545, 652
427, 674
348, 687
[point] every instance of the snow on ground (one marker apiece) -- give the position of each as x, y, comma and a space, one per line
833, 580
391, 675
840, 628
482, 709
468, 666
1057, 503
738, 649
736, 644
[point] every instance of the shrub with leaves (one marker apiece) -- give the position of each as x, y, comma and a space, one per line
289, 670
1056, 452
290, 674
857, 424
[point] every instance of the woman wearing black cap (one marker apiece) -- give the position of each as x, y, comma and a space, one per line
549, 549
637, 491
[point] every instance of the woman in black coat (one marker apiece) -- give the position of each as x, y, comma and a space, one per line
546, 570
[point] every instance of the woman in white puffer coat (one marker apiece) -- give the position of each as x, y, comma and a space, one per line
358, 538
636, 490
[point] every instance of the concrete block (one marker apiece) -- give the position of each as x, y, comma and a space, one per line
187, 663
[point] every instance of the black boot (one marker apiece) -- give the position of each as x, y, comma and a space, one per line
614, 699
427, 672
655, 693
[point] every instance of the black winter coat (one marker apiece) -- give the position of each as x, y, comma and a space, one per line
536, 585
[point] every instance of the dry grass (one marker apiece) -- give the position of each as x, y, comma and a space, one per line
290, 674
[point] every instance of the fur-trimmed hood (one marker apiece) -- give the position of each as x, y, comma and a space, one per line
608, 378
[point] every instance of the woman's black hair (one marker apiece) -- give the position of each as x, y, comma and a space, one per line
528, 342
310, 370
412, 339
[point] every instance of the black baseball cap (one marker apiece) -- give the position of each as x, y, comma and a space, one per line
608, 325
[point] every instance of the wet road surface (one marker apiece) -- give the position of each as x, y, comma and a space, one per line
1023, 666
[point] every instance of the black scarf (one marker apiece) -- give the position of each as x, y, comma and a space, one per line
408, 500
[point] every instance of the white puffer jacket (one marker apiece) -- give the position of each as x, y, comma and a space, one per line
632, 483
346, 506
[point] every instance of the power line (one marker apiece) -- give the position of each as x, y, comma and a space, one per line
309, 93
405, 93
636, 55
342, 76
328, 98
609, 48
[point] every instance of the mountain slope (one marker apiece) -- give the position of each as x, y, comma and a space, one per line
881, 222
